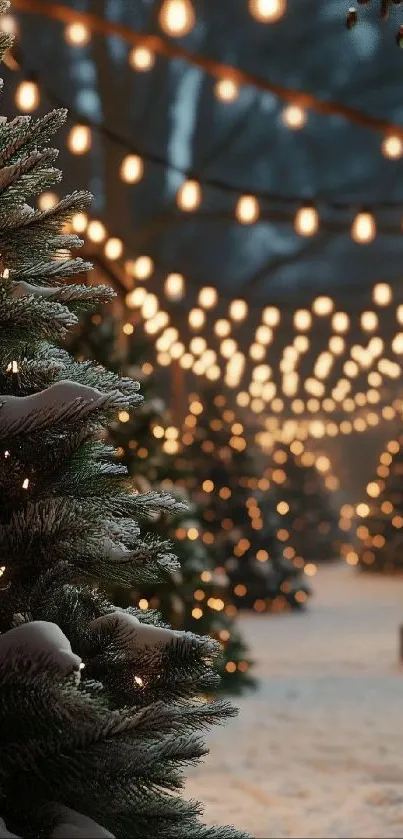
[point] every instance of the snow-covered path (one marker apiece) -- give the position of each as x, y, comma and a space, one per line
317, 751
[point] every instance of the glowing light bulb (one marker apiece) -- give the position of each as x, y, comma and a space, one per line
397, 343
247, 209
323, 306
307, 221
96, 231
132, 169
382, 294
337, 344
79, 139
47, 201
222, 328
141, 268
267, 11
369, 321
77, 34
227, 90
196, 318
141, 58
302, 320
113, 248
177, 17
363, 229
208, 297
392, 147
8, 24
189, 196
340, 322
238, 310
228, 347
27, 96
264, 335
174, 286
79, 222
150, 306
294, 116
271, 316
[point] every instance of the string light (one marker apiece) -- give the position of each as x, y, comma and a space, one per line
323, 306
79, 139
189, 196
79, 222
226, 90
392, 146
382, 294
294, 116
208, 297
77, 34
307, 221
132, 169
174, 287
136, 298
238, 310
302, 319
140, 268
340, 322
177, 17
267, 11
271, 316
27, 96
141, 58
114, 248
47, 201
369, 321
363, 229
247, 209
96, 231
222, 328
196, 318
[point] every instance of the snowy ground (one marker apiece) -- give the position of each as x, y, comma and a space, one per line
318, 750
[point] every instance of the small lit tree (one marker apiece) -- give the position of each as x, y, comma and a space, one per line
380, 517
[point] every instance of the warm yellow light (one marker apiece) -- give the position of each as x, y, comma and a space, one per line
362, 510
150, 306
141, 58
392, 146
8, 24
135, 299
140, 268
174, 286
337, 344
186, 361
113, 248
47, 201
294, 116
264, 335
96, 231
77, 34
124, 416
227, 90
283, 508
267, 11
177, 17
132, 169
222, 328
196, 318
382, 294
306, 221
177, 350
301, 343
79, 222
302, 319
238, 310
208, 297
247, 209
197, 345
128, 328
79, 139
373, 489
363, 229
271, 316
323, 306
257, 351
397, 343
310, 569
189, 196
322, 463
369, 321
340, 322
27, 96
228, 347
399, 314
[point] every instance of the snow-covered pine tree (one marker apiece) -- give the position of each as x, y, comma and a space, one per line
99, 707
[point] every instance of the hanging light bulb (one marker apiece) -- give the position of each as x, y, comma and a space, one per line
392, 146
208, 297
267, 11
337, 344
271, 316
340, 322
79, 139
177, 17
369, 321
222, 327
238, 310
174, 286
294, 116
247, 209
189, 196
27, 96
382, 294
363, 229
79, 222
150, 306
77, 34
132, 169
306, 221
323, 306
196, 318
47, 201
302, 320
264, 335
140, 268
226, 90
96, 231
113, 248
228, 347
141, 58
